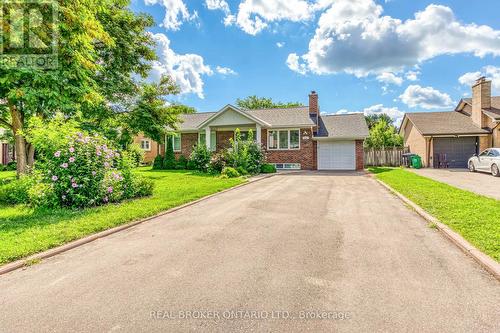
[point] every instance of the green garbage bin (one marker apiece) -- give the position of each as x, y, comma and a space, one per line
416, 162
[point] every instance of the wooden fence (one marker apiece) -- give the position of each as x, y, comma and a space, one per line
385, 157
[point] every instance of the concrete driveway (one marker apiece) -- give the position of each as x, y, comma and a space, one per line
477, 182
261, 258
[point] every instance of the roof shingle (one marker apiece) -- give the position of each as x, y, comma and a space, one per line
346, 126
443, 123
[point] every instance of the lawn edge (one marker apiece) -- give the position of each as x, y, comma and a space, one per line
88, 239
483, 259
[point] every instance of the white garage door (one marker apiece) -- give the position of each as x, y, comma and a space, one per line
336, 155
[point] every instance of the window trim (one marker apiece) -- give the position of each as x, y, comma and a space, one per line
149, 144
278, 145
179, 135
212, 142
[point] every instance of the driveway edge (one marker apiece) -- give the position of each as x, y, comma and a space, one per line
82, 241
484, 260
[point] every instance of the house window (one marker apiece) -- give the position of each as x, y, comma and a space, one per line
146, 145
273, 140
175, 141
284, 139
287, 166
213, 140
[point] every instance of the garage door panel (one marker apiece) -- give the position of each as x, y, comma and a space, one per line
457, 150
337, 155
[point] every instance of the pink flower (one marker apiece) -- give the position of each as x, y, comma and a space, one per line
74, 185
71, 149
106, 164
57, 153
98, 153
64, 165
94, 173
55, 178
110, 189
105, 199
71, 159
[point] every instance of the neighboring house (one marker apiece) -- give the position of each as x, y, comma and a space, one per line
5, 150
293, 138
454, 136
150, 147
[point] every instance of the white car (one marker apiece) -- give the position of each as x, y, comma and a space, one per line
487, 161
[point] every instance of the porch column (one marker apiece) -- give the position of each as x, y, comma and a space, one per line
258, 134
207, 137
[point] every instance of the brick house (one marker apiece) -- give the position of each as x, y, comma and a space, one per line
293, 138
454, 136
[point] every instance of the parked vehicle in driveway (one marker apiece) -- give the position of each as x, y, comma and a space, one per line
487, 161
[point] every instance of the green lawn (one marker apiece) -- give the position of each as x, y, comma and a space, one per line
475, 217
25, 231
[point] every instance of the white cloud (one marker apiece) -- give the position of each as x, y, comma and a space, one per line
218, 5
491, 72
255, 15
390, 78
176, 13
185, 69
293, 62
280, 44
225, 70
395, 114
412, 75
425, 97
354, 37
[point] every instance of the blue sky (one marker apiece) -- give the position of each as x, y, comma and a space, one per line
359, 55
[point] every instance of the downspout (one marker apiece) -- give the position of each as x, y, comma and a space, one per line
429, 154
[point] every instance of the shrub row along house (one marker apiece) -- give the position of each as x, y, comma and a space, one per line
293, 138
454, 136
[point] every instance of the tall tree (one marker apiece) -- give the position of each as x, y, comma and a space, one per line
373, 119
383, 135
254, 102
152, 114
102, 46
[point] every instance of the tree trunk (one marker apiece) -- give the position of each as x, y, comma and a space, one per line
20, 143
30, 154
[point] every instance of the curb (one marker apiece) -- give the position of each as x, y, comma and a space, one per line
485, 261
82, 241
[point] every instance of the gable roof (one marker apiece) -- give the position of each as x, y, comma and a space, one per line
235, 109
281, 117
346, 126
465, 105
443, 123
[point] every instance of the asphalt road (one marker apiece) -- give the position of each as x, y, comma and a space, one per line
262, 258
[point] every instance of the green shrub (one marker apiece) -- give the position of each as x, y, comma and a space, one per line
136, 154
42, 195
16, 191
158, 163
169, 162
200, 158
190, 165
230, 172
245, 154
3, 167
268, 168
11, 166
182, 163
79, 170
241, 170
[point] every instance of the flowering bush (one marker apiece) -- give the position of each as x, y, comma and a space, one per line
80, 170
200, 158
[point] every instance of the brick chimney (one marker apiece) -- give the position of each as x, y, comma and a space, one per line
314, 109
481, 99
